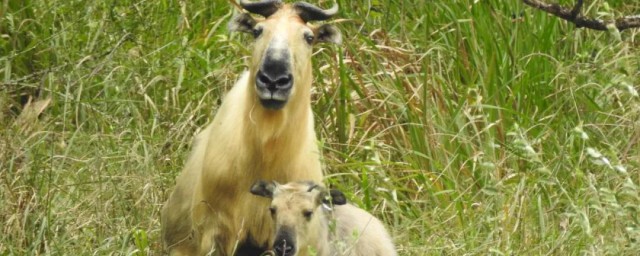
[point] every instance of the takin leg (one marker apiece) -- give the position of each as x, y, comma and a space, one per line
178, 235
177, 232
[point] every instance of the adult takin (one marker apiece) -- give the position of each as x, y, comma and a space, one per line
311, 220
263, 130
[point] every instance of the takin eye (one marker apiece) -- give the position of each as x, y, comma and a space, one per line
272, 210
256, 32
309, 38
307, 214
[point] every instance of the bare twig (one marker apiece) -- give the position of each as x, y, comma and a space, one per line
576, 9
573, 15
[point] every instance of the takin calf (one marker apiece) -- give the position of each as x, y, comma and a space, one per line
263, 130
307, 223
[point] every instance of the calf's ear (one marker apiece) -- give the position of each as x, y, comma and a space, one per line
242, 22
328, 33
333, 197
263, 188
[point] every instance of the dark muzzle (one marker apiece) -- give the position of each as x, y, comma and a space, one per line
274, 80
284, 248
285, 244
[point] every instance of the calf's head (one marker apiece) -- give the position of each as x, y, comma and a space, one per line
294, 208
284, 40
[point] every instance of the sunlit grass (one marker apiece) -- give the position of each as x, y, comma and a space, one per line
468, 127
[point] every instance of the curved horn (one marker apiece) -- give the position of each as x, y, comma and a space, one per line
309, 12
264, 8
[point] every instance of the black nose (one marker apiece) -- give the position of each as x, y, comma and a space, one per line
284, 247
274, 82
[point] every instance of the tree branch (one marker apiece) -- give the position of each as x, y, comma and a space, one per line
574, 16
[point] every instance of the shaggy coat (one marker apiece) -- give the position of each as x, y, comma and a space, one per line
263, 130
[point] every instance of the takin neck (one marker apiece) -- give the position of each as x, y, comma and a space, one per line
278, 135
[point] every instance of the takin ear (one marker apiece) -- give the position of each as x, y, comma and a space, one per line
242, 22
264, 188
333, 197
328, 33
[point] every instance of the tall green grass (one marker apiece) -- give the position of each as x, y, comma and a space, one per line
469, 127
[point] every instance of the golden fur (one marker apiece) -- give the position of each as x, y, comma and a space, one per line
210, 208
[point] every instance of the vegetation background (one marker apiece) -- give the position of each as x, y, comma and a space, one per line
469, 127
